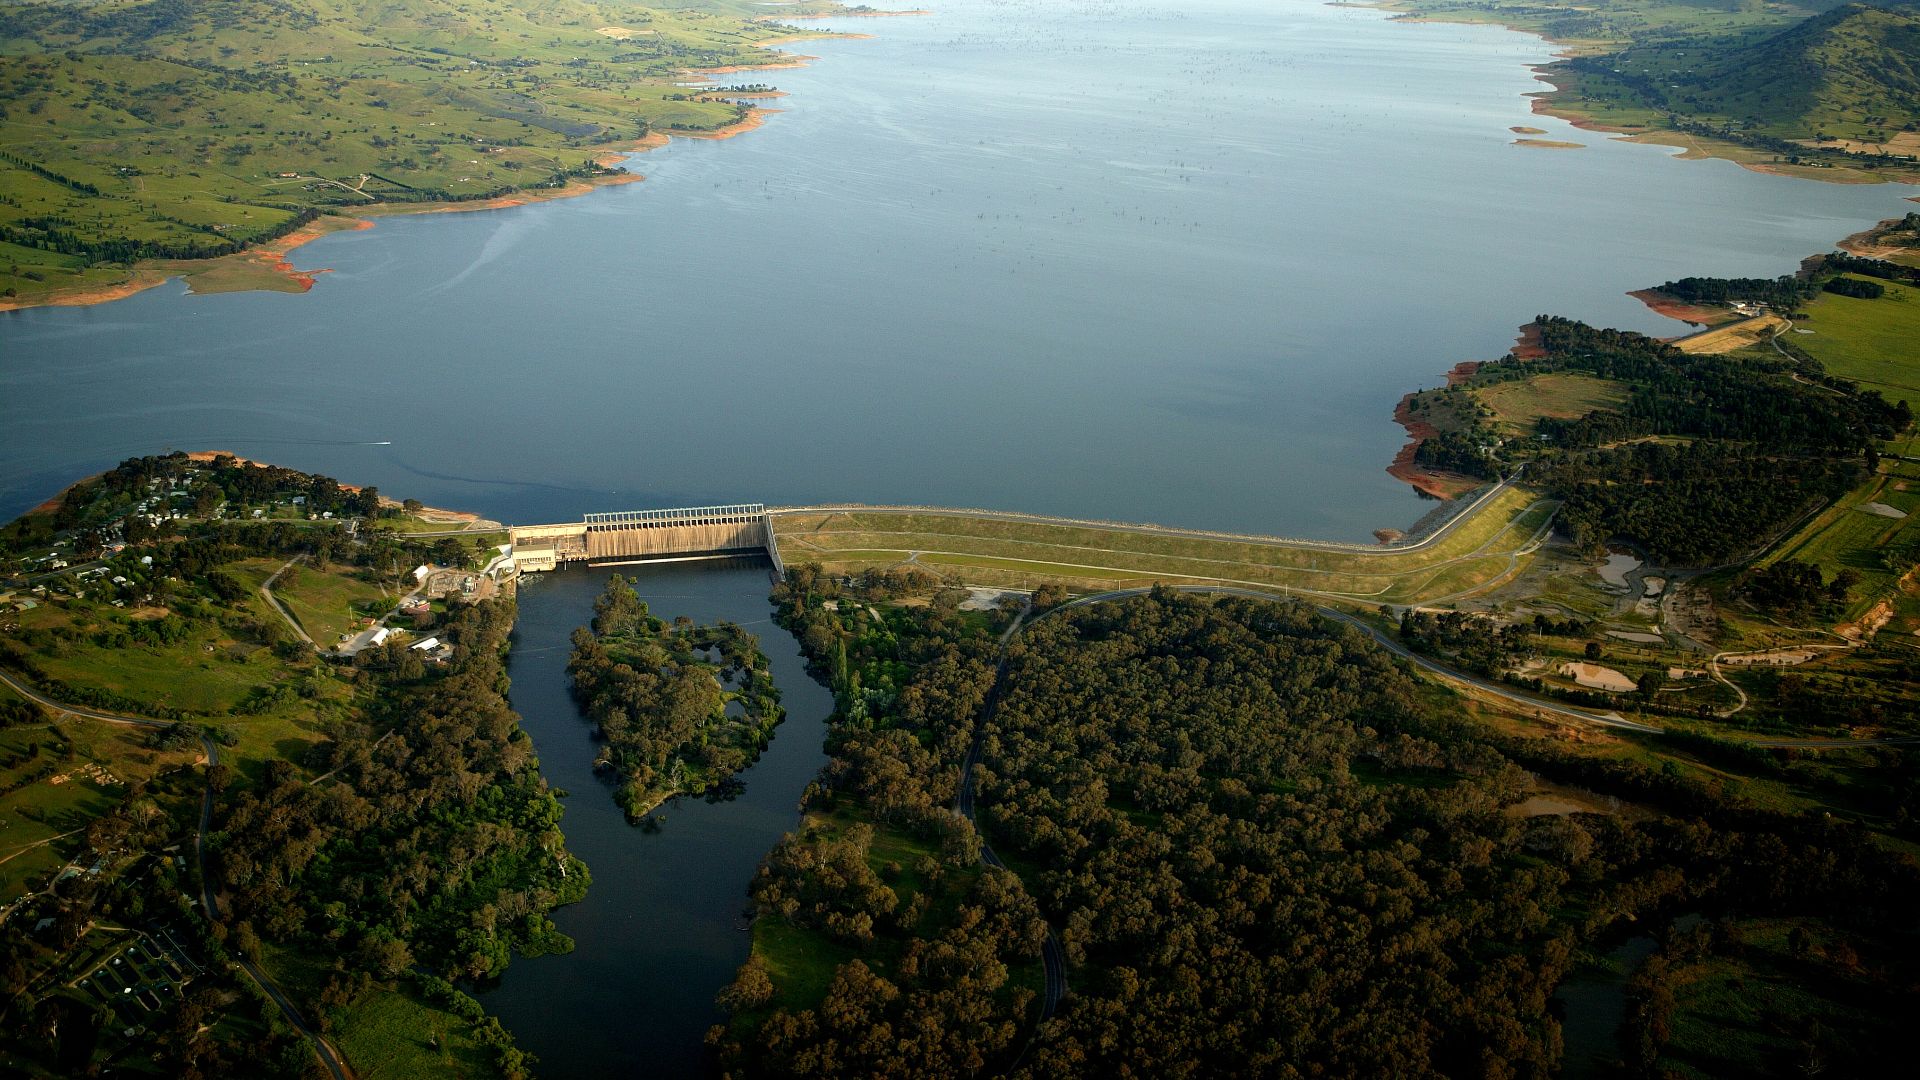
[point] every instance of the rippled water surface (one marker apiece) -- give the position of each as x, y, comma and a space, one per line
1130, 260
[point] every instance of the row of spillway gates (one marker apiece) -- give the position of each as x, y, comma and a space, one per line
634, 536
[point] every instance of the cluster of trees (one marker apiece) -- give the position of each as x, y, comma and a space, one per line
1785, 292
658, 694
1469, 639
1236, 902
1706, 452
435, 843
1842, 262
934, 941
1794, 589
1465, 452
1687, 504
1858, 288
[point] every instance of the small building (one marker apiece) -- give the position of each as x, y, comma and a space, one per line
425, 645
420, 572
530, 556
380, 636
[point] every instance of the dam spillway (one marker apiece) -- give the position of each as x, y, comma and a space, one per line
635, 536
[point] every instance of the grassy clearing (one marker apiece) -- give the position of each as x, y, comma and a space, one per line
1868, 341
328, 603
1847, 536
397, 1033
57, 777
1742, 1015
1520, 404
1480, 548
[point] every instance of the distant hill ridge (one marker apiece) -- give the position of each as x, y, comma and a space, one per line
1856, 58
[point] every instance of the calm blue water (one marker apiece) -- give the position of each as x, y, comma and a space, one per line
659, 932
1094, 259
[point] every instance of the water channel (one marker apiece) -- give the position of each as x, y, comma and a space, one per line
659, 932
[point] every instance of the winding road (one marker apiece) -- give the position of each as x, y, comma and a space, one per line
1053, 957
323, 1049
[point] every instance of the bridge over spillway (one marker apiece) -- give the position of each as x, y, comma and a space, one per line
637, 536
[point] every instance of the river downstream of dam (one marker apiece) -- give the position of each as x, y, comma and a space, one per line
660, 930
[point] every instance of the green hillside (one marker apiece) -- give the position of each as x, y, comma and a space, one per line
1808, 87
1853, 71
156, 129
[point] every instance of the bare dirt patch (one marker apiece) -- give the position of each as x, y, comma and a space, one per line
1597, 677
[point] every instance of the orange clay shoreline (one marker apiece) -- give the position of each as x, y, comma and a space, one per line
1435, 482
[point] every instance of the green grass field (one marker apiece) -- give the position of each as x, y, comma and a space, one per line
1735, 1016
396, 1033
1848, 536
324, 602
1520, 404
55, 778
1868, 341
985, 550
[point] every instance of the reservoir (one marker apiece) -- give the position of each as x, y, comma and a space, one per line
659, 932
1100, 258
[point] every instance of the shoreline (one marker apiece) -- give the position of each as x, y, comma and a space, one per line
265, 267
1690, 144
1434, 483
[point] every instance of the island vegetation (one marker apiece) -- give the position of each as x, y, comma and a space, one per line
663, 698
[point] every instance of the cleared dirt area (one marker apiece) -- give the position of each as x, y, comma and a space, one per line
1597, 677
1725, 339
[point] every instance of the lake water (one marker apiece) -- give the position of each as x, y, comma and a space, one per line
1118, 259
658, 934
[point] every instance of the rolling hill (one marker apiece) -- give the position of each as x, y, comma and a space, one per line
166, 129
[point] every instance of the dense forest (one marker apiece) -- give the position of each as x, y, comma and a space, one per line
659, 694
1707, 455
1265, 848
436, 847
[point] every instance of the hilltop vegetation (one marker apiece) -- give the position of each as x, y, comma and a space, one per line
159, 129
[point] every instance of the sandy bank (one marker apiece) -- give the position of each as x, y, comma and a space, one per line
755, 117
1435, 482
140, 280
868, 13
1662, 304
1550, 144
1528, 130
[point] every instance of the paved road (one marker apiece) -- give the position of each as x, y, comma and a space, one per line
1451, 673
322, 1048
